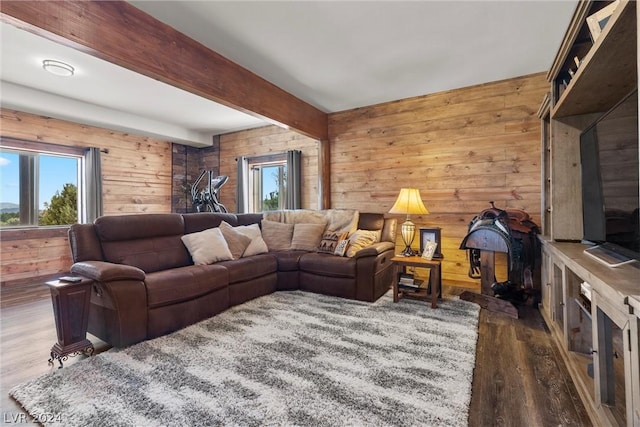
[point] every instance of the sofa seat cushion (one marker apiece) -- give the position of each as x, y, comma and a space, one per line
328, 265
288, 260
244, 269
184, 283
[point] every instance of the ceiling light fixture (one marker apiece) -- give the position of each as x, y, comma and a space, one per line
58, 68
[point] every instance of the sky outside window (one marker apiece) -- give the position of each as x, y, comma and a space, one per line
269, 180
55, 171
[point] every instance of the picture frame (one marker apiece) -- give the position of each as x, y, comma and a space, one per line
429, 250
431, 235
597, 21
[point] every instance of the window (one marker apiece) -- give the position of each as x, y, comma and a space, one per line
267, 186
39, 184
271, 182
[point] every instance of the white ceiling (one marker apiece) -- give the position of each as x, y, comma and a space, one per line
335, 55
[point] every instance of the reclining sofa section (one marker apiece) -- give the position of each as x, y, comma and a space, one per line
146, 284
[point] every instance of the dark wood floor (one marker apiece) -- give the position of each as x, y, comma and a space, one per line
519, 379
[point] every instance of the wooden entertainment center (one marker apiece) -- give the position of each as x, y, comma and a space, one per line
596, 329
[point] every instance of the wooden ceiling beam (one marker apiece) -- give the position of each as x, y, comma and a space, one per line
119, 33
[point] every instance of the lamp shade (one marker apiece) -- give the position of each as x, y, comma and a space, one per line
409, 202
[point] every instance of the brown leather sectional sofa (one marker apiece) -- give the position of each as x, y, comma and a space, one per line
146, 285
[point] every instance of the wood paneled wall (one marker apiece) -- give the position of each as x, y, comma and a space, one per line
136, 174
460, 148
263, 141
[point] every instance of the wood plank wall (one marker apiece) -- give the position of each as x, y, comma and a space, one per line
136, 179
460, 148
263, 141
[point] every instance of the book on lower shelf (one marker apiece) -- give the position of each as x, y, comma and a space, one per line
415, 285
406, 279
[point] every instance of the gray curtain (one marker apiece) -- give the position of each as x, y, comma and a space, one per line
93, 183
242, 189
294, 179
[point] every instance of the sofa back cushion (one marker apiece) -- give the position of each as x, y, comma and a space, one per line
84, 243
195, 222
249, 218
151, 242
370, 221
377, 222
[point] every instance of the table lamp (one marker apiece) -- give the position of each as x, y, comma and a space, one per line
408, 202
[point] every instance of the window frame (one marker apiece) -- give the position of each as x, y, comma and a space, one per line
256, 164
29, 182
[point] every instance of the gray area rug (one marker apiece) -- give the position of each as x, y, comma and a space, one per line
289, 358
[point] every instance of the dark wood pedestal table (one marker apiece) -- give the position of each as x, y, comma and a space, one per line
435, 278
71, 310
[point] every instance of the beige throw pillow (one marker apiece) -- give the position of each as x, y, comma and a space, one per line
306, 237
341, 247
342, 219
236, 241
207, 247
277, 235
257, 245
362, 239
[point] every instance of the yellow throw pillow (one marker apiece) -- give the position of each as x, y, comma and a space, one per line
362, 239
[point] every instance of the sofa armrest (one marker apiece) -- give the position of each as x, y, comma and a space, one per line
374, 271
375, 249
118, 313
106, 271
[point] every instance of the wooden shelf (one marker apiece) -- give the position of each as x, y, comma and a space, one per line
580, 94
421, 294
616, 283
594, 87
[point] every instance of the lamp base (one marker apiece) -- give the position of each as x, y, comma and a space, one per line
408, 252
408, 231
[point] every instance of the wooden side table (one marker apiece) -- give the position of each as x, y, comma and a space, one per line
435, 277
71, 310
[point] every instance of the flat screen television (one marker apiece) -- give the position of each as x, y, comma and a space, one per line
610, 193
